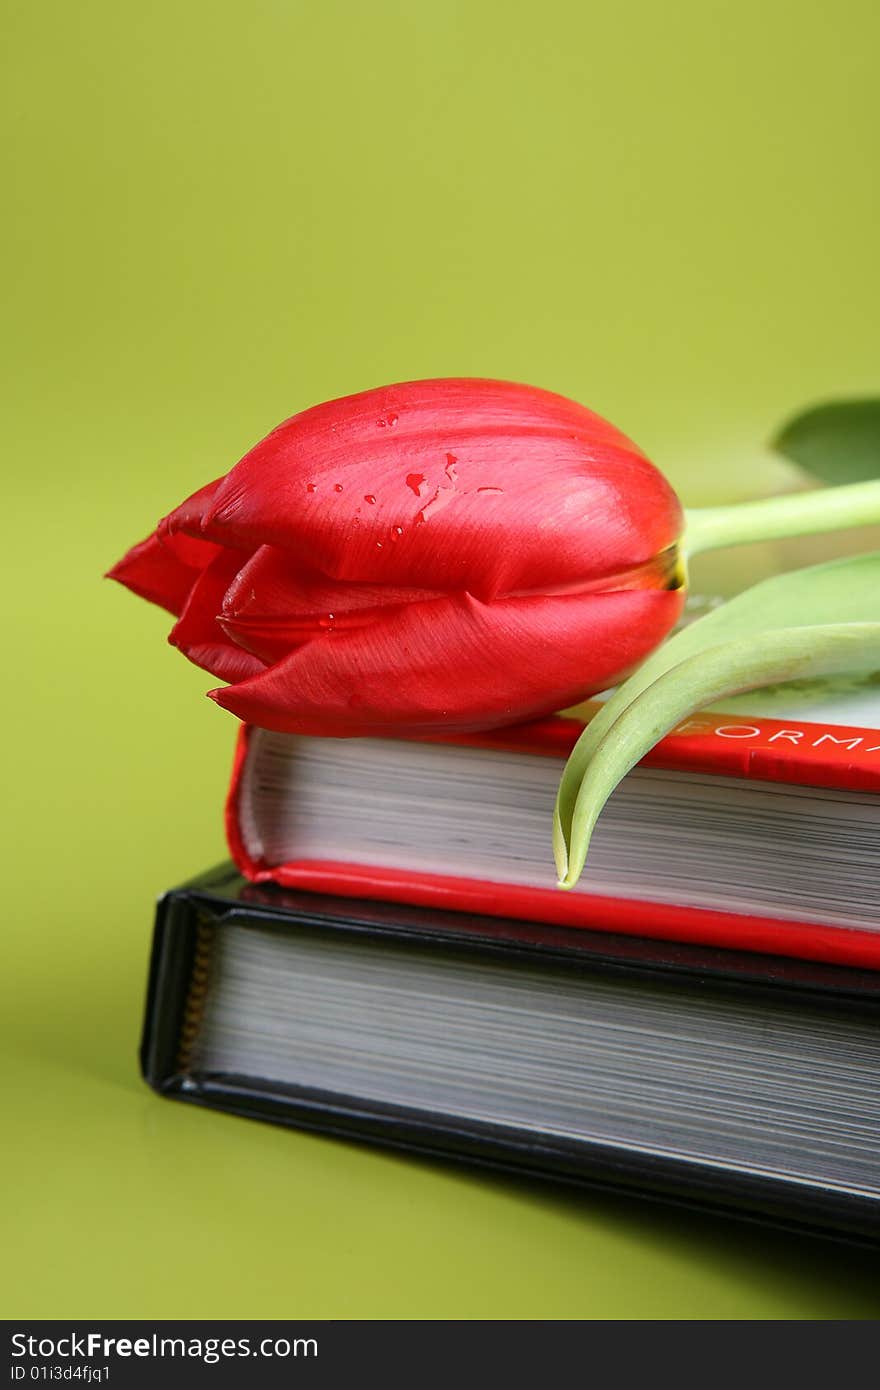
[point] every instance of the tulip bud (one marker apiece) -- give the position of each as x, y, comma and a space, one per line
433, 556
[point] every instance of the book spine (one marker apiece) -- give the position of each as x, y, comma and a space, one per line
231, 819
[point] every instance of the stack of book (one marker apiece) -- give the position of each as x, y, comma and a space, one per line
388, 958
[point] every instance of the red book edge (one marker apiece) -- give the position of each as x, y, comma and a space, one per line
794, 751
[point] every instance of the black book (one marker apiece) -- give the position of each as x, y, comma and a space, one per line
739, 1082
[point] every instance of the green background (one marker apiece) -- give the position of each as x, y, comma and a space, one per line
216, 215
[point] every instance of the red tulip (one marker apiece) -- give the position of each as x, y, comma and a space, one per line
438, 555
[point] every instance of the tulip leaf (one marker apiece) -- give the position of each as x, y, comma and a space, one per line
840, 591
731, 668
838, 442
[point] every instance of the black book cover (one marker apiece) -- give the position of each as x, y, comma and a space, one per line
189, 917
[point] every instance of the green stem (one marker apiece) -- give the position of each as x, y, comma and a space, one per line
795, 514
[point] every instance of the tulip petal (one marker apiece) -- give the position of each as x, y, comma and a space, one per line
392, 561
199, 635
273, 605
456, 662
189, 516
163, 568
489, 487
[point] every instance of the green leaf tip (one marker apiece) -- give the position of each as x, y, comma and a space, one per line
839, 591
732, 668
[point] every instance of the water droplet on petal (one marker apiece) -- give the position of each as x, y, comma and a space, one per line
442, 497
392, 418
310, 487
368, 497
495, 491
337, 487
414, 482
378, 545
381, 424
398, 531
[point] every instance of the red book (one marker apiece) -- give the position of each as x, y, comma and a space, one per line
737, 831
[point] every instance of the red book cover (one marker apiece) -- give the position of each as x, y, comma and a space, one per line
747, 746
